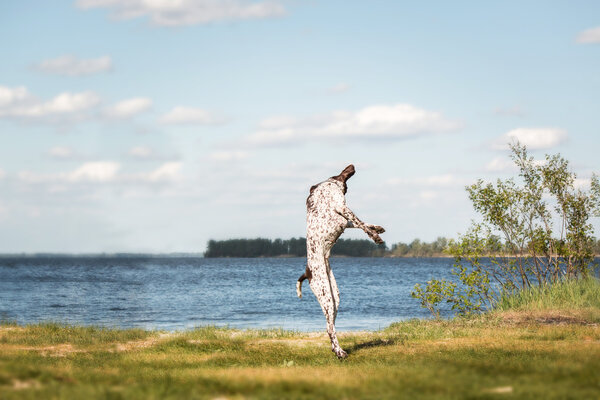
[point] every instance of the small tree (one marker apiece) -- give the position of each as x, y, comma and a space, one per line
543, 224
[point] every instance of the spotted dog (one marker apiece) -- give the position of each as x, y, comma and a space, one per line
327, 218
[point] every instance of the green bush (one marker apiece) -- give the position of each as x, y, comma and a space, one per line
536, 233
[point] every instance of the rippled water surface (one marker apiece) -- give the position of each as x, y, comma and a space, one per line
178, 293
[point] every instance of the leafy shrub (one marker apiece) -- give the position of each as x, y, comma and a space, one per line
536, 233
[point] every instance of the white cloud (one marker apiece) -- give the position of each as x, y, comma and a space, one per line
428, 195
500, 164
72, 66
234, 155
505, 164
582, 183
589, 36
2, 173
103, 172
128, 108
390, 122
65, 107
278, 122
64, 103
169, 171
146, 153
18, 103
30, 177
62, 152
339, 88
34, 212
189, 115
141, 152
187, 12
96, 171
10, 97
533, 138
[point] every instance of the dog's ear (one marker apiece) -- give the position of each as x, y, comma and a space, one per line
346, 174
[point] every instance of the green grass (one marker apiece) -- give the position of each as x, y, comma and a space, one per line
485, 357
541, 344
55, 333
582, 295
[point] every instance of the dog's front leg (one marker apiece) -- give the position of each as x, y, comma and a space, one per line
371, 230
376, 228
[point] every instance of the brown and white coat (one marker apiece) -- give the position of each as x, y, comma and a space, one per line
327, 218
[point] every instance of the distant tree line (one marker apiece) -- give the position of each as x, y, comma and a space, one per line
259, 247
294, 247
416, 248
439, 247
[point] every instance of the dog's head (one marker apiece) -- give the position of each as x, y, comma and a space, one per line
344, 176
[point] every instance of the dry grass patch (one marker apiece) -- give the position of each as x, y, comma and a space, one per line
548, 317
144, 343
18, 384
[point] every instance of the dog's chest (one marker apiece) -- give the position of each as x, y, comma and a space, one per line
323, 218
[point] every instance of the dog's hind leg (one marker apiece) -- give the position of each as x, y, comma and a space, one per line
334, 290
323, 290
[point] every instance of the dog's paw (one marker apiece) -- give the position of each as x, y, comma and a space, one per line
377, 228
341, 354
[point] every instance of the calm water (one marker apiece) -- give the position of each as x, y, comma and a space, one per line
179, 293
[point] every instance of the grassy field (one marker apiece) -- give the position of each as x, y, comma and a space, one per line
532, 352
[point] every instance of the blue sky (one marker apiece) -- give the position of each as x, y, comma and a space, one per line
155, 125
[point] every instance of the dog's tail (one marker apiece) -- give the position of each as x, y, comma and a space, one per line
299, 285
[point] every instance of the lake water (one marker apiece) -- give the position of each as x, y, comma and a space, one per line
180, 293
